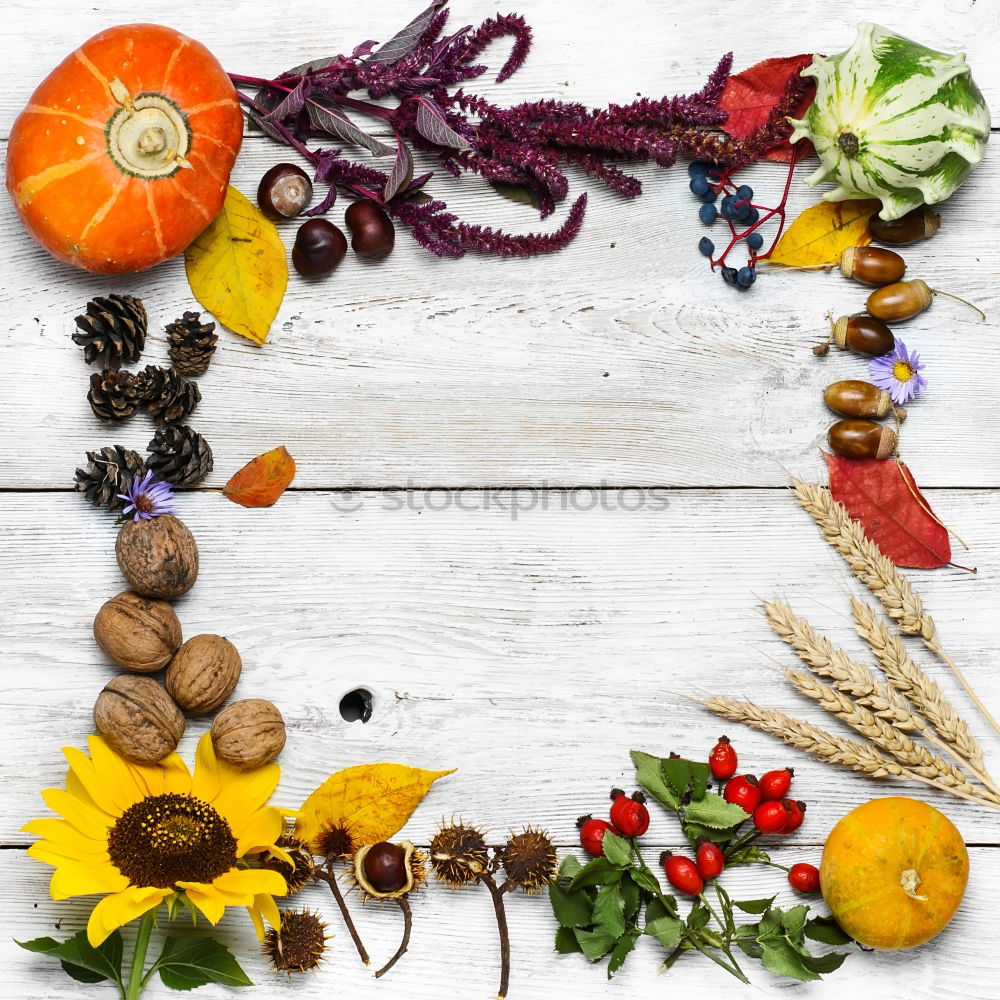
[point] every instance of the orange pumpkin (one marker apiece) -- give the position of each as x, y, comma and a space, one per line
893, 873
123, 154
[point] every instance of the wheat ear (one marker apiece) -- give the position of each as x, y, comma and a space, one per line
880, 575
881, 734
849, 676
820, 743
924, 693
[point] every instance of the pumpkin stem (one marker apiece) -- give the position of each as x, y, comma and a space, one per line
849, 145
910, 880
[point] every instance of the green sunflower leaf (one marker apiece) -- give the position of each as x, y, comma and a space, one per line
80, 959
186, 963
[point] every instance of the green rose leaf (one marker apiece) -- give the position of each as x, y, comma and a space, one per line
566, 942
572, 909
823, 963
650, 777
609, 911
667, 930
186, 963
783, 959
827, 931
630, 896
569, 867
794, 921
715, 812
677, 773
621, 951
80, 959
596, 872
645, 879
616, 849
594, 944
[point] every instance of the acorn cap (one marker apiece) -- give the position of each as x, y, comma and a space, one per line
840, 331
886, 443
883, 404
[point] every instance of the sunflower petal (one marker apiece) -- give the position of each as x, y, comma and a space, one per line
168, 776
88, 819
70, 880
59, 833
264, 908
98, 786
259, 832
207, 898
244, 792
207, 780
60, 854
118, 909
118, 776
251, 882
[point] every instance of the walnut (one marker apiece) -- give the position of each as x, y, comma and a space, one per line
158, 556
203, 673
138, 719
248, 733
138, 633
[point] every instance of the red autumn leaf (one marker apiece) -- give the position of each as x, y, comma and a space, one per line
750, 95
260, 482
890, 508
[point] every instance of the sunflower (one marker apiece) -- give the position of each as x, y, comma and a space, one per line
143, 834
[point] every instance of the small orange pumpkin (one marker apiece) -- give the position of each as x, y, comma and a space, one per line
123, 154
893, 873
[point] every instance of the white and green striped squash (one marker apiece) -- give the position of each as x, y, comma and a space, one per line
893, 120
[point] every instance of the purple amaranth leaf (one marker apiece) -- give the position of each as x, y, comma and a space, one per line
314, 65
402, 170
326, 118
498, 27
433, 126
292, 103
364, 49
406, 39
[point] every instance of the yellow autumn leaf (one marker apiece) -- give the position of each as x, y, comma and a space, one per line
371, 802
823, 232
237, 268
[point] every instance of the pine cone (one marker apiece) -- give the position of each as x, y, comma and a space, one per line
109, 472
192, 343
168, 395
113, 395
112, 332
180, 455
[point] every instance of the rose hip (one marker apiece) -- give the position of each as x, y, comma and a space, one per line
743, 791
629, 815
592, 834
722, 760
710, 860
682, 873
804, 878
775, 784
770, 817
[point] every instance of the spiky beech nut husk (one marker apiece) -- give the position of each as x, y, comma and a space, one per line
138, 719
139, 634
529, 860
388, 871
158, 557
459, 854
298, 943
248, 733
297, 874
334, 842
203, 673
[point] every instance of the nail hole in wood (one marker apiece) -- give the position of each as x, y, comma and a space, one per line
356, 705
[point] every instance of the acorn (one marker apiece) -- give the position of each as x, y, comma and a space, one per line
918, 224
459, 855
861, 439
388, 871
872, 265
864, 334
854, 398
905, 299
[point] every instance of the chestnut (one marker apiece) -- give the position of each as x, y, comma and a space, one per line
284, 191
319, 247
372, 232
385, 867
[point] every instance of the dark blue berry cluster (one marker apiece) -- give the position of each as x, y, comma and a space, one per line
736, 209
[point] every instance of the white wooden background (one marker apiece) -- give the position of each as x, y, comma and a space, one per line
527, 635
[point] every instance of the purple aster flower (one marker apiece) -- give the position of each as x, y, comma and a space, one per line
899, 372
148, 499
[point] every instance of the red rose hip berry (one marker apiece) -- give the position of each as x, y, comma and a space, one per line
796, 814
770, 817
629, 815
743, 791
804, 878
710, 860
775, 784
592, 834
722, 760
682, 873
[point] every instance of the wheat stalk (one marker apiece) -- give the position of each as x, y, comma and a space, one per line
849, 676
908, 678
879, 574
883, 735
832, 749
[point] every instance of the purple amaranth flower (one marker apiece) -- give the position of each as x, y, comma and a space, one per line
148, 499
899, 373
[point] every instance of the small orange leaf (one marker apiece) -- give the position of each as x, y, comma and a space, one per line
260, 482
823, 232
370, 802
